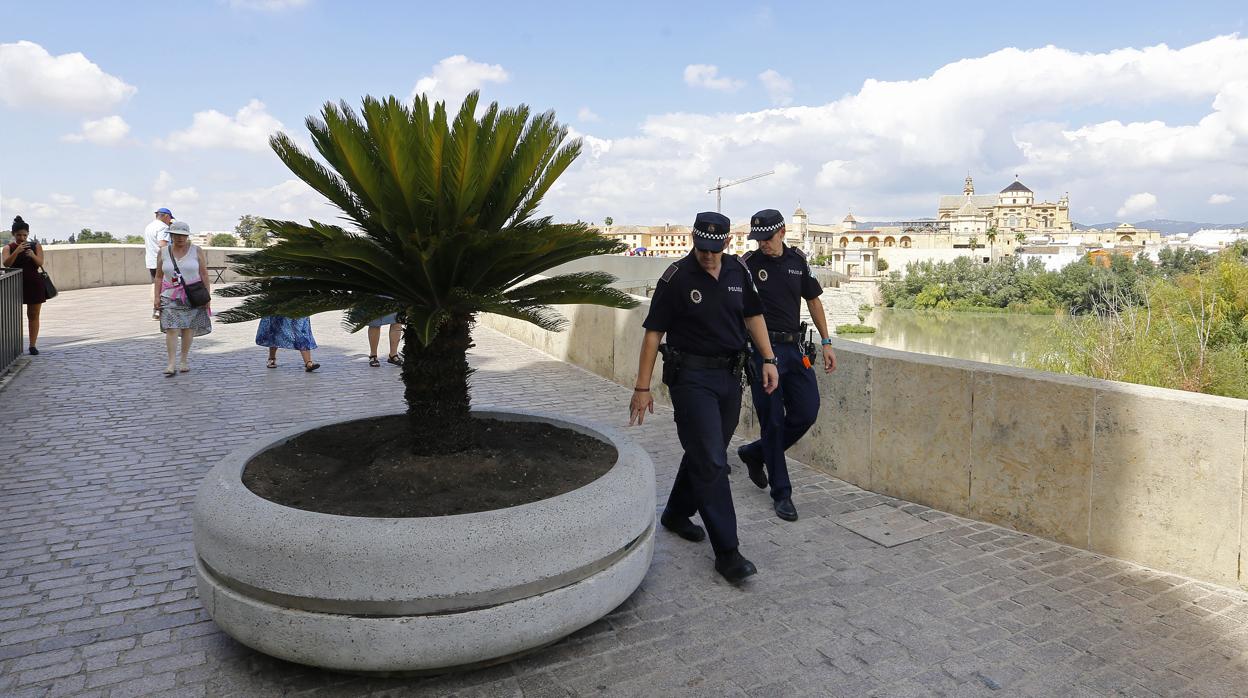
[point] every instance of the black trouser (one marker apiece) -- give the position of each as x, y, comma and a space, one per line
708, 405
785, 415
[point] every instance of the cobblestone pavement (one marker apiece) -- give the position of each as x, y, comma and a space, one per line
100, 457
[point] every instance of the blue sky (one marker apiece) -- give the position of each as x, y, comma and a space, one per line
668, 95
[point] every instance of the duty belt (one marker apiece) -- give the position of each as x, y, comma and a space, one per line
699, 361
785, 337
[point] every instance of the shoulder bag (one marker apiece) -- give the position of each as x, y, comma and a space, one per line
196, 293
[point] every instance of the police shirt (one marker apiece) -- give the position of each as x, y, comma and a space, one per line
782, 282
702, 315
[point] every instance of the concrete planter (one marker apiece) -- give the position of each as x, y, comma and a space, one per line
365, 594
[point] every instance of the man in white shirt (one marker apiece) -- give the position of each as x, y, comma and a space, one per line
156, 236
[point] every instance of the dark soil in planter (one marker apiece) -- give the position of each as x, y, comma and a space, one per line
366, 468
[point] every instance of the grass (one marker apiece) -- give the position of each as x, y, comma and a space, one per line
854, 329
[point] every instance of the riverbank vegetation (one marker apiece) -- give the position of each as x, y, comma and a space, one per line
1187, 331
1180, 322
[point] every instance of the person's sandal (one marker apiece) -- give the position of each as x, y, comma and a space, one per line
309, 366
169, 371
272, 363
372, 361
395, 359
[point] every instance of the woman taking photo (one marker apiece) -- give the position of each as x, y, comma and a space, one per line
177, 265
27, 255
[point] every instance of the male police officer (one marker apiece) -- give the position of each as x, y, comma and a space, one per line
705, 303
783, 278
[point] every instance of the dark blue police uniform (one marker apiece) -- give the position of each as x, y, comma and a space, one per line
786, 414
704, 316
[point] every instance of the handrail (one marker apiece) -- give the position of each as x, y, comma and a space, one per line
10, 316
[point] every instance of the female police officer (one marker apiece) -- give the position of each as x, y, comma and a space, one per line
704, 302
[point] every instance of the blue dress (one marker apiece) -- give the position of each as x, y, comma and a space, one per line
285, 333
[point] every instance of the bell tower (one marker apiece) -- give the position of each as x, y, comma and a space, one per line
969, 188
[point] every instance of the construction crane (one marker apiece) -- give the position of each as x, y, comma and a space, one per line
720, 185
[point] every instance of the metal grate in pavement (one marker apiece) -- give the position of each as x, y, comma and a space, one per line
887, 526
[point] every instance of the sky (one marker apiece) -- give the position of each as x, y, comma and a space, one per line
1138, 109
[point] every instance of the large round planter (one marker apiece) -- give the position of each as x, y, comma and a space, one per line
366, 594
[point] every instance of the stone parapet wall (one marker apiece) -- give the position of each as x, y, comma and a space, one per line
92, 266
1149, 475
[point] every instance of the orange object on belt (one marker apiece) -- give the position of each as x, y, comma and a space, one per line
805, 361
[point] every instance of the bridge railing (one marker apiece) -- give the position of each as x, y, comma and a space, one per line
10, 316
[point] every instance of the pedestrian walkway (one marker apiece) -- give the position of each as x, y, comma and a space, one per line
100, 456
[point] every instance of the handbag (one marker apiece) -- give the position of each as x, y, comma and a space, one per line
196, 293
49, 288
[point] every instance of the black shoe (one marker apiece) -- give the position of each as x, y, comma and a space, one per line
734, 567
758, 475
683, 527
785, 509
34, 351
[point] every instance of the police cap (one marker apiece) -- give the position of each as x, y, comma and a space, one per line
765, 223
710, 229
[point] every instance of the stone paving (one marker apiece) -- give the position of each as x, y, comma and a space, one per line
100, 457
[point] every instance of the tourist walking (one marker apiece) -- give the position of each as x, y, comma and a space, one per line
374, 337
155, 237
25, 253
784, 279
179, 265
278, 332
704, 303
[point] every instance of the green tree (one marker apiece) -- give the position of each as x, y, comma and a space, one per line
444, 226
1020, 237
72, 239
222, 240
992, 236
608, 221
86, 235
881, 264
134, 239
252, 231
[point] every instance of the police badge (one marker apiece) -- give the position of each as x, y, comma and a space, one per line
762, 274
695, 295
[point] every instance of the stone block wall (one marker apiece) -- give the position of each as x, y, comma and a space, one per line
1150, 475
92, 266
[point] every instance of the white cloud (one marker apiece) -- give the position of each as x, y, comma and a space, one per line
453, 77
110, 130
1140, 204
1219, 199
32, 78
61, 199
708, 77
163, 182
586, 114
248, 129
267, 5
112, 198
1010, 111
779, 88
185, 195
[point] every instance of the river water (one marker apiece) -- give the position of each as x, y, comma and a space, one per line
999, 338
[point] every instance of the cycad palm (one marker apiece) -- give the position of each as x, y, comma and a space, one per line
443, 227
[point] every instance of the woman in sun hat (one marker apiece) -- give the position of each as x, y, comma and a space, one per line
178, 318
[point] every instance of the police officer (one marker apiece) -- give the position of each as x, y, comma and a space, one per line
783, 278
705, 303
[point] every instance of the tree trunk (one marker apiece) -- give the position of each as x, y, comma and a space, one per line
435, 386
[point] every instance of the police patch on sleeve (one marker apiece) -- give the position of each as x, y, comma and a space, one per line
671, 271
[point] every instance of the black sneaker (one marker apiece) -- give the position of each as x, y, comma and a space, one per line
733, 566
34, 351
683, 527
758, 475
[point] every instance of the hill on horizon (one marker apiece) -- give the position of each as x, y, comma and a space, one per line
1165, 226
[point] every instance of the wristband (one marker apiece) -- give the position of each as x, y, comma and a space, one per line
827, 341
773, 361
641, 390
